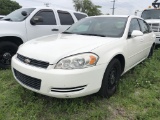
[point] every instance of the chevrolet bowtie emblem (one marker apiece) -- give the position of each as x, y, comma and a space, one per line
27, 61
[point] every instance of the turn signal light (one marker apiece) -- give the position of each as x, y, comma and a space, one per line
93, 60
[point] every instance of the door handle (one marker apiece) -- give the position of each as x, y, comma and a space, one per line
55, 29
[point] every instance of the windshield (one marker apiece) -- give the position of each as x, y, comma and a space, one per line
99, 26
151, 14
17, 16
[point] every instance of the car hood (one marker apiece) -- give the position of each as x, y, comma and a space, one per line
55, 47
153, 20
2, 22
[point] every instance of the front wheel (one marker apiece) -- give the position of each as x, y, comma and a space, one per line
7, 50
111, 79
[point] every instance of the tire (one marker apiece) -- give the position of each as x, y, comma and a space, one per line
157, 46
7, 50
111, 79
151, 51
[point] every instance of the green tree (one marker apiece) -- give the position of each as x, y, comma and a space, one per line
7, 6
87, 6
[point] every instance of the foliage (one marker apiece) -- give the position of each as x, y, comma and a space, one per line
7, 6
138, 98
87, 6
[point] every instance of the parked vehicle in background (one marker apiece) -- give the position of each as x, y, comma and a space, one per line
28, 23
87, 58
2, 16
152, 17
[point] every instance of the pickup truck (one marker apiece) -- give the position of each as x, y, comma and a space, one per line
29, 23
152, 17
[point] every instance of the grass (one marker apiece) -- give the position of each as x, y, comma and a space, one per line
138, 98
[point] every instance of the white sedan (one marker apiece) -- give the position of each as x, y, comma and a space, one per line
87, 58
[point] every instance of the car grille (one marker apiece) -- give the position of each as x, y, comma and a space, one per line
33, 62
65, 90
27, 80
155, 27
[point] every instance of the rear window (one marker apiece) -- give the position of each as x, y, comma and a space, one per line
65, 18
80, 16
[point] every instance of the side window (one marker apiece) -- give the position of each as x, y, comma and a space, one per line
65, 18
80, 16
134, 25
47, 16
144, 26
149, 27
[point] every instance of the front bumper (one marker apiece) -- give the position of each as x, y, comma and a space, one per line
157, 41
60, 83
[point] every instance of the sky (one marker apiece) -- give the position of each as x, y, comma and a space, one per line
123, 7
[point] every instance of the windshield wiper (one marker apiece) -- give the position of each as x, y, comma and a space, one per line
67, 33
148, 18
7, 19
92, 34
85, 34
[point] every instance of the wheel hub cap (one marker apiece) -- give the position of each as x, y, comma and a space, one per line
112, 77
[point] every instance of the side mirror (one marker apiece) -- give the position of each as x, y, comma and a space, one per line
36, 19
24, 13
136, 33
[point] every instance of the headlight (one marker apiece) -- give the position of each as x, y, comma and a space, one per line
79, 61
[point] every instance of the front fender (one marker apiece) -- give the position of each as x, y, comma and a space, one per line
15, 29
107, 53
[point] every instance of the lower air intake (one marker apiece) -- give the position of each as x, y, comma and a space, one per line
27, 80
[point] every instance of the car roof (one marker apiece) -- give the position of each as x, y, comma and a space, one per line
125, 16
112, 16
151, 9
55, 8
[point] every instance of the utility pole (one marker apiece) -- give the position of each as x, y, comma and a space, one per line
114, 1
